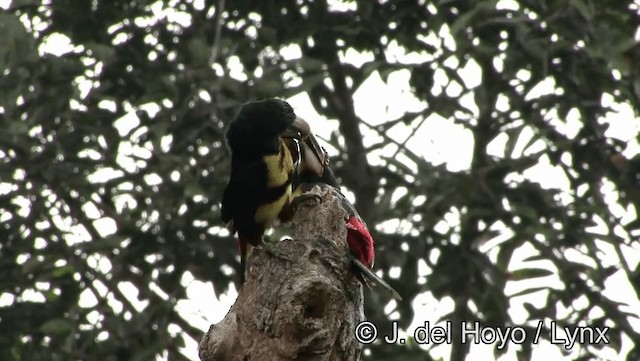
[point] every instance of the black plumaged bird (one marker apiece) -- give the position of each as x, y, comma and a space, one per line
265, 158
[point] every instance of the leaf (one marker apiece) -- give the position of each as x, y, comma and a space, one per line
528, 291
57, 326
199, 51
102, 52
506, 252
535, 257
626, 44
310, 64
528, 273
370, 67
109, 242
310, 82
15, 4
633, 225
62, 271
193, 189
513, 135
462, 22
530, 142
582, 8
268, 34
17, 46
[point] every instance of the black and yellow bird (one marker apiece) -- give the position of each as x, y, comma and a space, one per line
275, 160
265, 164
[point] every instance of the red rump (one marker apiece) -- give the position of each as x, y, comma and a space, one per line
360, 241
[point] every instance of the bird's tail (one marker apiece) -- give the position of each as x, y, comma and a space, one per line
369, 278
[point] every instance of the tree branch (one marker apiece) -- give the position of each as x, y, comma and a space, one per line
300, 301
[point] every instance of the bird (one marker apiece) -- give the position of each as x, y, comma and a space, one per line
359, 239
263, 140
275, 161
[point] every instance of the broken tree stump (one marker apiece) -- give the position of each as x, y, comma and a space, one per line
301, 302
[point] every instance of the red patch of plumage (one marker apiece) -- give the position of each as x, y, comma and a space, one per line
360, 241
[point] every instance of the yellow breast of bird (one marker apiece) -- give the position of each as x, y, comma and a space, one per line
279, 167
279, 173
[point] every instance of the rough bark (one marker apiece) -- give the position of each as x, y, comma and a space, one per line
305, 307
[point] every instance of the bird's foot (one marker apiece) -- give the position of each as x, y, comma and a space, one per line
305, 197
287, 212
270, 247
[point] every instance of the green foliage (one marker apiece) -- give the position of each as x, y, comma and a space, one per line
112, 159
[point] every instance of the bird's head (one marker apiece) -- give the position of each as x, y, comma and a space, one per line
258, 126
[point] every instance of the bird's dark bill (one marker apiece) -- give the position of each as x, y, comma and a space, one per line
299, 130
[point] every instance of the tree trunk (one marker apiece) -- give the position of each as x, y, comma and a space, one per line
300, 301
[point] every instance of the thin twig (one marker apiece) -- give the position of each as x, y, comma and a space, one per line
216, 39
